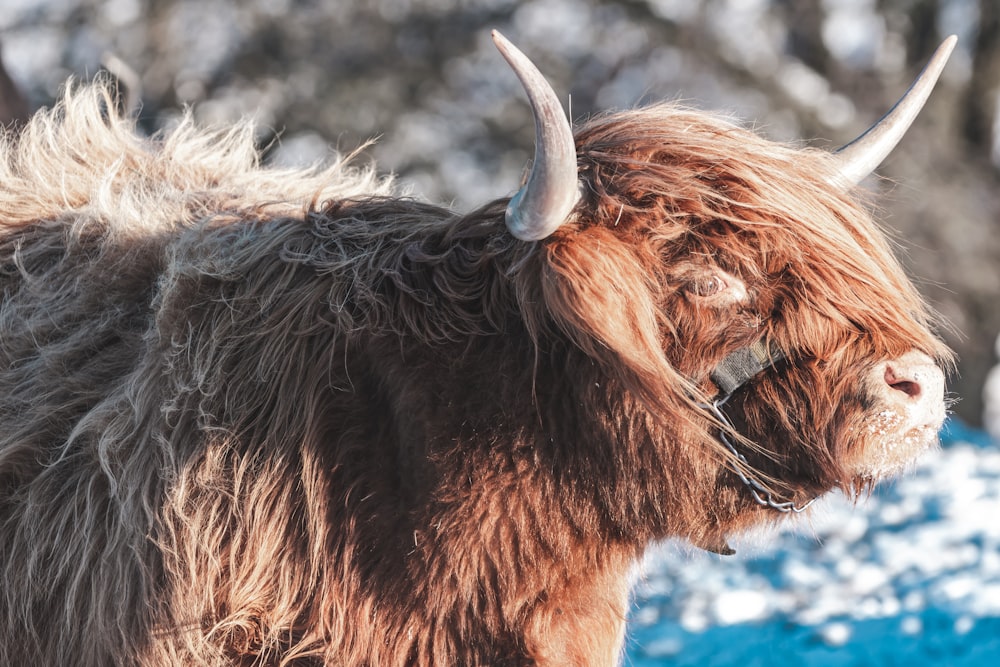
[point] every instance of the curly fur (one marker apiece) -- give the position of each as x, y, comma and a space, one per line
262, 417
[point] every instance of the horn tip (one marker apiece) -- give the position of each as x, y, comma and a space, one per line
501, 42
947, 46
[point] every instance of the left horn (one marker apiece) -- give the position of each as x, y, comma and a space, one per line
859, 158
552, 190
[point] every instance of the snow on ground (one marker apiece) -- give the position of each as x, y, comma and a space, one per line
910, 576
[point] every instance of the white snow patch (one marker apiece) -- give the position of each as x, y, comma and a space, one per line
835, 634
741, 606
921, 549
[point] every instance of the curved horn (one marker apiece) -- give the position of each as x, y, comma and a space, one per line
551, 192
859, 158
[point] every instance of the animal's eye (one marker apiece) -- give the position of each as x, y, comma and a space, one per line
716, 288
707, 286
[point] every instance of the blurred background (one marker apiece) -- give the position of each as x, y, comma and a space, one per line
423, 78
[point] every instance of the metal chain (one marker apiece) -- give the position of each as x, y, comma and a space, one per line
756, 488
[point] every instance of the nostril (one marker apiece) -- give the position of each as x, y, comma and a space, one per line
911, 389
908, 386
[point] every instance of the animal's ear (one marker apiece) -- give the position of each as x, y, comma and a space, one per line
601, 295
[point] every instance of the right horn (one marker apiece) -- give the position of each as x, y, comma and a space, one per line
859, 158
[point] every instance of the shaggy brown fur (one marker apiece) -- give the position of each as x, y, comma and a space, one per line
257, 417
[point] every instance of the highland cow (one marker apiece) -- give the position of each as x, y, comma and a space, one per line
261, 417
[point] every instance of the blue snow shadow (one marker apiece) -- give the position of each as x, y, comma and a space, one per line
932, 637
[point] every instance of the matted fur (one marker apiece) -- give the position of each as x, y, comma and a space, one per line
251, 416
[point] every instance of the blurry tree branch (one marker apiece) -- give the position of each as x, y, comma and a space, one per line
984, 84
804, 20
13, 106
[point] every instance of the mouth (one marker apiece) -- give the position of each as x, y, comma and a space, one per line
891, 443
